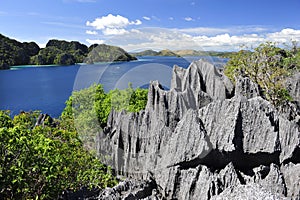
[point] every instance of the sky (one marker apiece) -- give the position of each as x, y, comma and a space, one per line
221, 25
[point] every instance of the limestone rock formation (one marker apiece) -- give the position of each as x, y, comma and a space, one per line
204, 139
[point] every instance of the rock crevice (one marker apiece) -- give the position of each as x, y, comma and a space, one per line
205, 138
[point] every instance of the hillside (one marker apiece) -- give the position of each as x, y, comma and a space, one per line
165, 52
58, 52
181, 53
13, 52
146, 53
107, 53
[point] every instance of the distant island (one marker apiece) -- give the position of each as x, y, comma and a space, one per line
150, 52
181, 53
58, 52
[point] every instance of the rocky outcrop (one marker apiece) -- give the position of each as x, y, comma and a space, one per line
293, 85
205, 138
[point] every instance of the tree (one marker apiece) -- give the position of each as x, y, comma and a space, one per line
268, 66
87, 110
39, 162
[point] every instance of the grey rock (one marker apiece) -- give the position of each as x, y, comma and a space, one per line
245, 87
202, 76
130, 190
201, 139
291, 174
248, 192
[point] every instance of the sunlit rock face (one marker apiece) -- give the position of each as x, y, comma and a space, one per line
204, 138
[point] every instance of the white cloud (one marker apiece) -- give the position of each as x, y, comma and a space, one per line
188, 19
171, 18
89, 32
135, 31
114, 31
200, 38
112, 25
285, 35
137, 22
204, 30
95, 41
146, 18
111, 21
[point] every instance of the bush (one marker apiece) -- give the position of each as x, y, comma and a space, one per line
268, 66
39, 162
87, 110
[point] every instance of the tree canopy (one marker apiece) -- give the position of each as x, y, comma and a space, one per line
268, 66
57, 52
41, 161
87, 110
13, 52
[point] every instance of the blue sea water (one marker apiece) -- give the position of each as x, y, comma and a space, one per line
46, 88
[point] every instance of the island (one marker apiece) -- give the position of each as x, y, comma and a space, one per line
150, 52
184, 52
57, 52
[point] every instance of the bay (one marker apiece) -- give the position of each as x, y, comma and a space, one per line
46, 88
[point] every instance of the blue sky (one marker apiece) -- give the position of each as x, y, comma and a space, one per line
143, 24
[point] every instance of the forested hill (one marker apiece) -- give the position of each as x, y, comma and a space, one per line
13, 52
58, 52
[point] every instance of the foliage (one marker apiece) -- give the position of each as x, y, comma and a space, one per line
75, 49
268, 66
107, 53
87, 110
13, 52
52, 55
58, 52
67, 46
39, 162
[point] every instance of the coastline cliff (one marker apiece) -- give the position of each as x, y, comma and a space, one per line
205, 138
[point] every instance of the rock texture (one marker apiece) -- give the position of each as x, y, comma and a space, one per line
204, 139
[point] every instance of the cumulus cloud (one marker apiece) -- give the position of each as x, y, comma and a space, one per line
95, 41
114, 31
285, 35
146, 18
200, 38
112, 25
89, 32
171, 18
111, 21
223, 40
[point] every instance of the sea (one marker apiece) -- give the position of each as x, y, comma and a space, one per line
46, 88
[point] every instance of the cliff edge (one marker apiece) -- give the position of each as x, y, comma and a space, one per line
205, 138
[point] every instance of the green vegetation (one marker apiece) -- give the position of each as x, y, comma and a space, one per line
268, 66
165, 52
13, 52
107, 53
87, 110
57, 52
60, 52
39, 162
145, 53
181, 53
